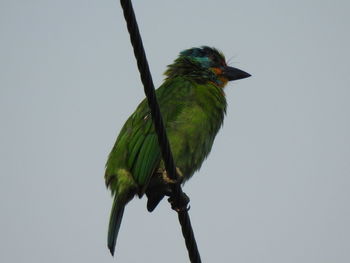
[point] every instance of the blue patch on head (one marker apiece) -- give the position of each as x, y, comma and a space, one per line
204, 61
193, 52
202, 55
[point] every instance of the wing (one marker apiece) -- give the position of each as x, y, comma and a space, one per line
136, 149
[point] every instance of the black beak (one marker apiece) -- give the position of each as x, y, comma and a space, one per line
232, 73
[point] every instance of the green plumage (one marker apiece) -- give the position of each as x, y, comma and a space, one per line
193, 105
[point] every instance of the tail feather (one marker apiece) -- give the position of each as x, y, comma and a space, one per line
114, 223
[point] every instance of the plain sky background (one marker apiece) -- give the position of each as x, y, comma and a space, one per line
276, 185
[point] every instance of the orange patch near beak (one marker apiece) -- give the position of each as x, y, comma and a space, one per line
217, 71
224, 80
221, 77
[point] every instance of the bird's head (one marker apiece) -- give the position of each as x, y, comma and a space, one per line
204, 64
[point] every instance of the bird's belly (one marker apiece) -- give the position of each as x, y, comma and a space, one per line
190, 147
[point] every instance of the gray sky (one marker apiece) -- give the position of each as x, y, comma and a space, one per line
276, 185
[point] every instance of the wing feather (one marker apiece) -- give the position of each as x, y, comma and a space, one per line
147, 160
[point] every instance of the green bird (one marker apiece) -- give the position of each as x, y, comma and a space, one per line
193, 104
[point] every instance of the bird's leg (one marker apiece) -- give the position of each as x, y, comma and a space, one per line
180, 202
168, 180
160, 186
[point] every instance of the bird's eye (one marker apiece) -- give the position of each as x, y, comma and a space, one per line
218, 61
214, 59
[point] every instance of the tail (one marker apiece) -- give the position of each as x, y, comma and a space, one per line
114, 222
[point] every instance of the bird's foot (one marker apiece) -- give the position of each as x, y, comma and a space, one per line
179, 203
168, 180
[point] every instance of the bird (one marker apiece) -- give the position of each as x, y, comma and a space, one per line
193, 105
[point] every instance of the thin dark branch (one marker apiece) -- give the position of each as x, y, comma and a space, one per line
179, 200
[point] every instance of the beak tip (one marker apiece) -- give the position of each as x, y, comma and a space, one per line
246, 75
